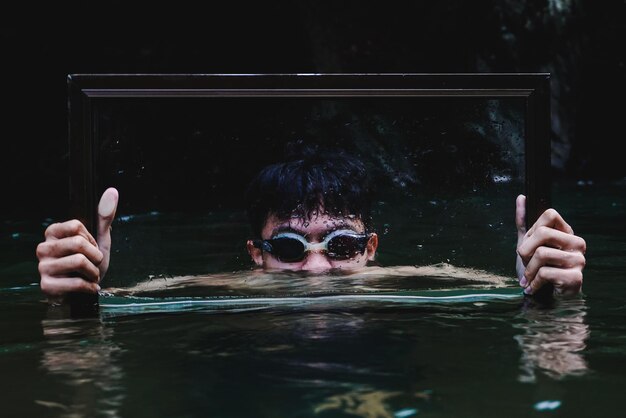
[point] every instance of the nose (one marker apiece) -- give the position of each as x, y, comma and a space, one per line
316, 262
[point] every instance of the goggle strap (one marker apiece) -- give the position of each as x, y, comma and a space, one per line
263, 245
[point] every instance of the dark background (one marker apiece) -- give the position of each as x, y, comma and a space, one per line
579, 42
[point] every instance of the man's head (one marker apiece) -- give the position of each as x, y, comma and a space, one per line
322, 196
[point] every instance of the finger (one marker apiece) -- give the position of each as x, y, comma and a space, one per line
546, 236
520, 268
540, 280
71, 265
520, 216
546, 256
68, 229
569, 282
565, 281
106, 213
552, 219
53, 286
68, 246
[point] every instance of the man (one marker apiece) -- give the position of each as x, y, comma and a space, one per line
310, 213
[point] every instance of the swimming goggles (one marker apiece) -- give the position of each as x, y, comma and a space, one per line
290, 247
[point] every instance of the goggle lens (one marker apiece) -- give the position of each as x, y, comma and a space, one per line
340, 245
286, 249
344, 247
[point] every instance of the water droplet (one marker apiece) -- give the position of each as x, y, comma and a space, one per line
501, 178
547, 405
406, 412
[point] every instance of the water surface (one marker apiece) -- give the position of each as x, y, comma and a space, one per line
484, 351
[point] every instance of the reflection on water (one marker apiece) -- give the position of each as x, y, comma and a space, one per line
83, 355
553, 340
330, 360
285, 350
368, 403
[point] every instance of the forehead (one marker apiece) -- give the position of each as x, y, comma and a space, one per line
317, 226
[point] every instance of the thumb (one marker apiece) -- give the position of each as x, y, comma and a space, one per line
520, 216
106, 214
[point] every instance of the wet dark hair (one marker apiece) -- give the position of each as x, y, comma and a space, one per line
308, 179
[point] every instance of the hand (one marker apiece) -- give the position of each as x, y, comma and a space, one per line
548, 252
70, 259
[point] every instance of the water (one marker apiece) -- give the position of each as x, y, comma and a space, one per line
484, 351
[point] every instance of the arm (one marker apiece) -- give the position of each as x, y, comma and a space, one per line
548, 252
70, 259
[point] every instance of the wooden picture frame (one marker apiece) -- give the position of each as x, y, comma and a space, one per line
86, 91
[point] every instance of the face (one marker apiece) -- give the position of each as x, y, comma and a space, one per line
314, 231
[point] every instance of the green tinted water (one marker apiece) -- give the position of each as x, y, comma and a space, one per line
475, 356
